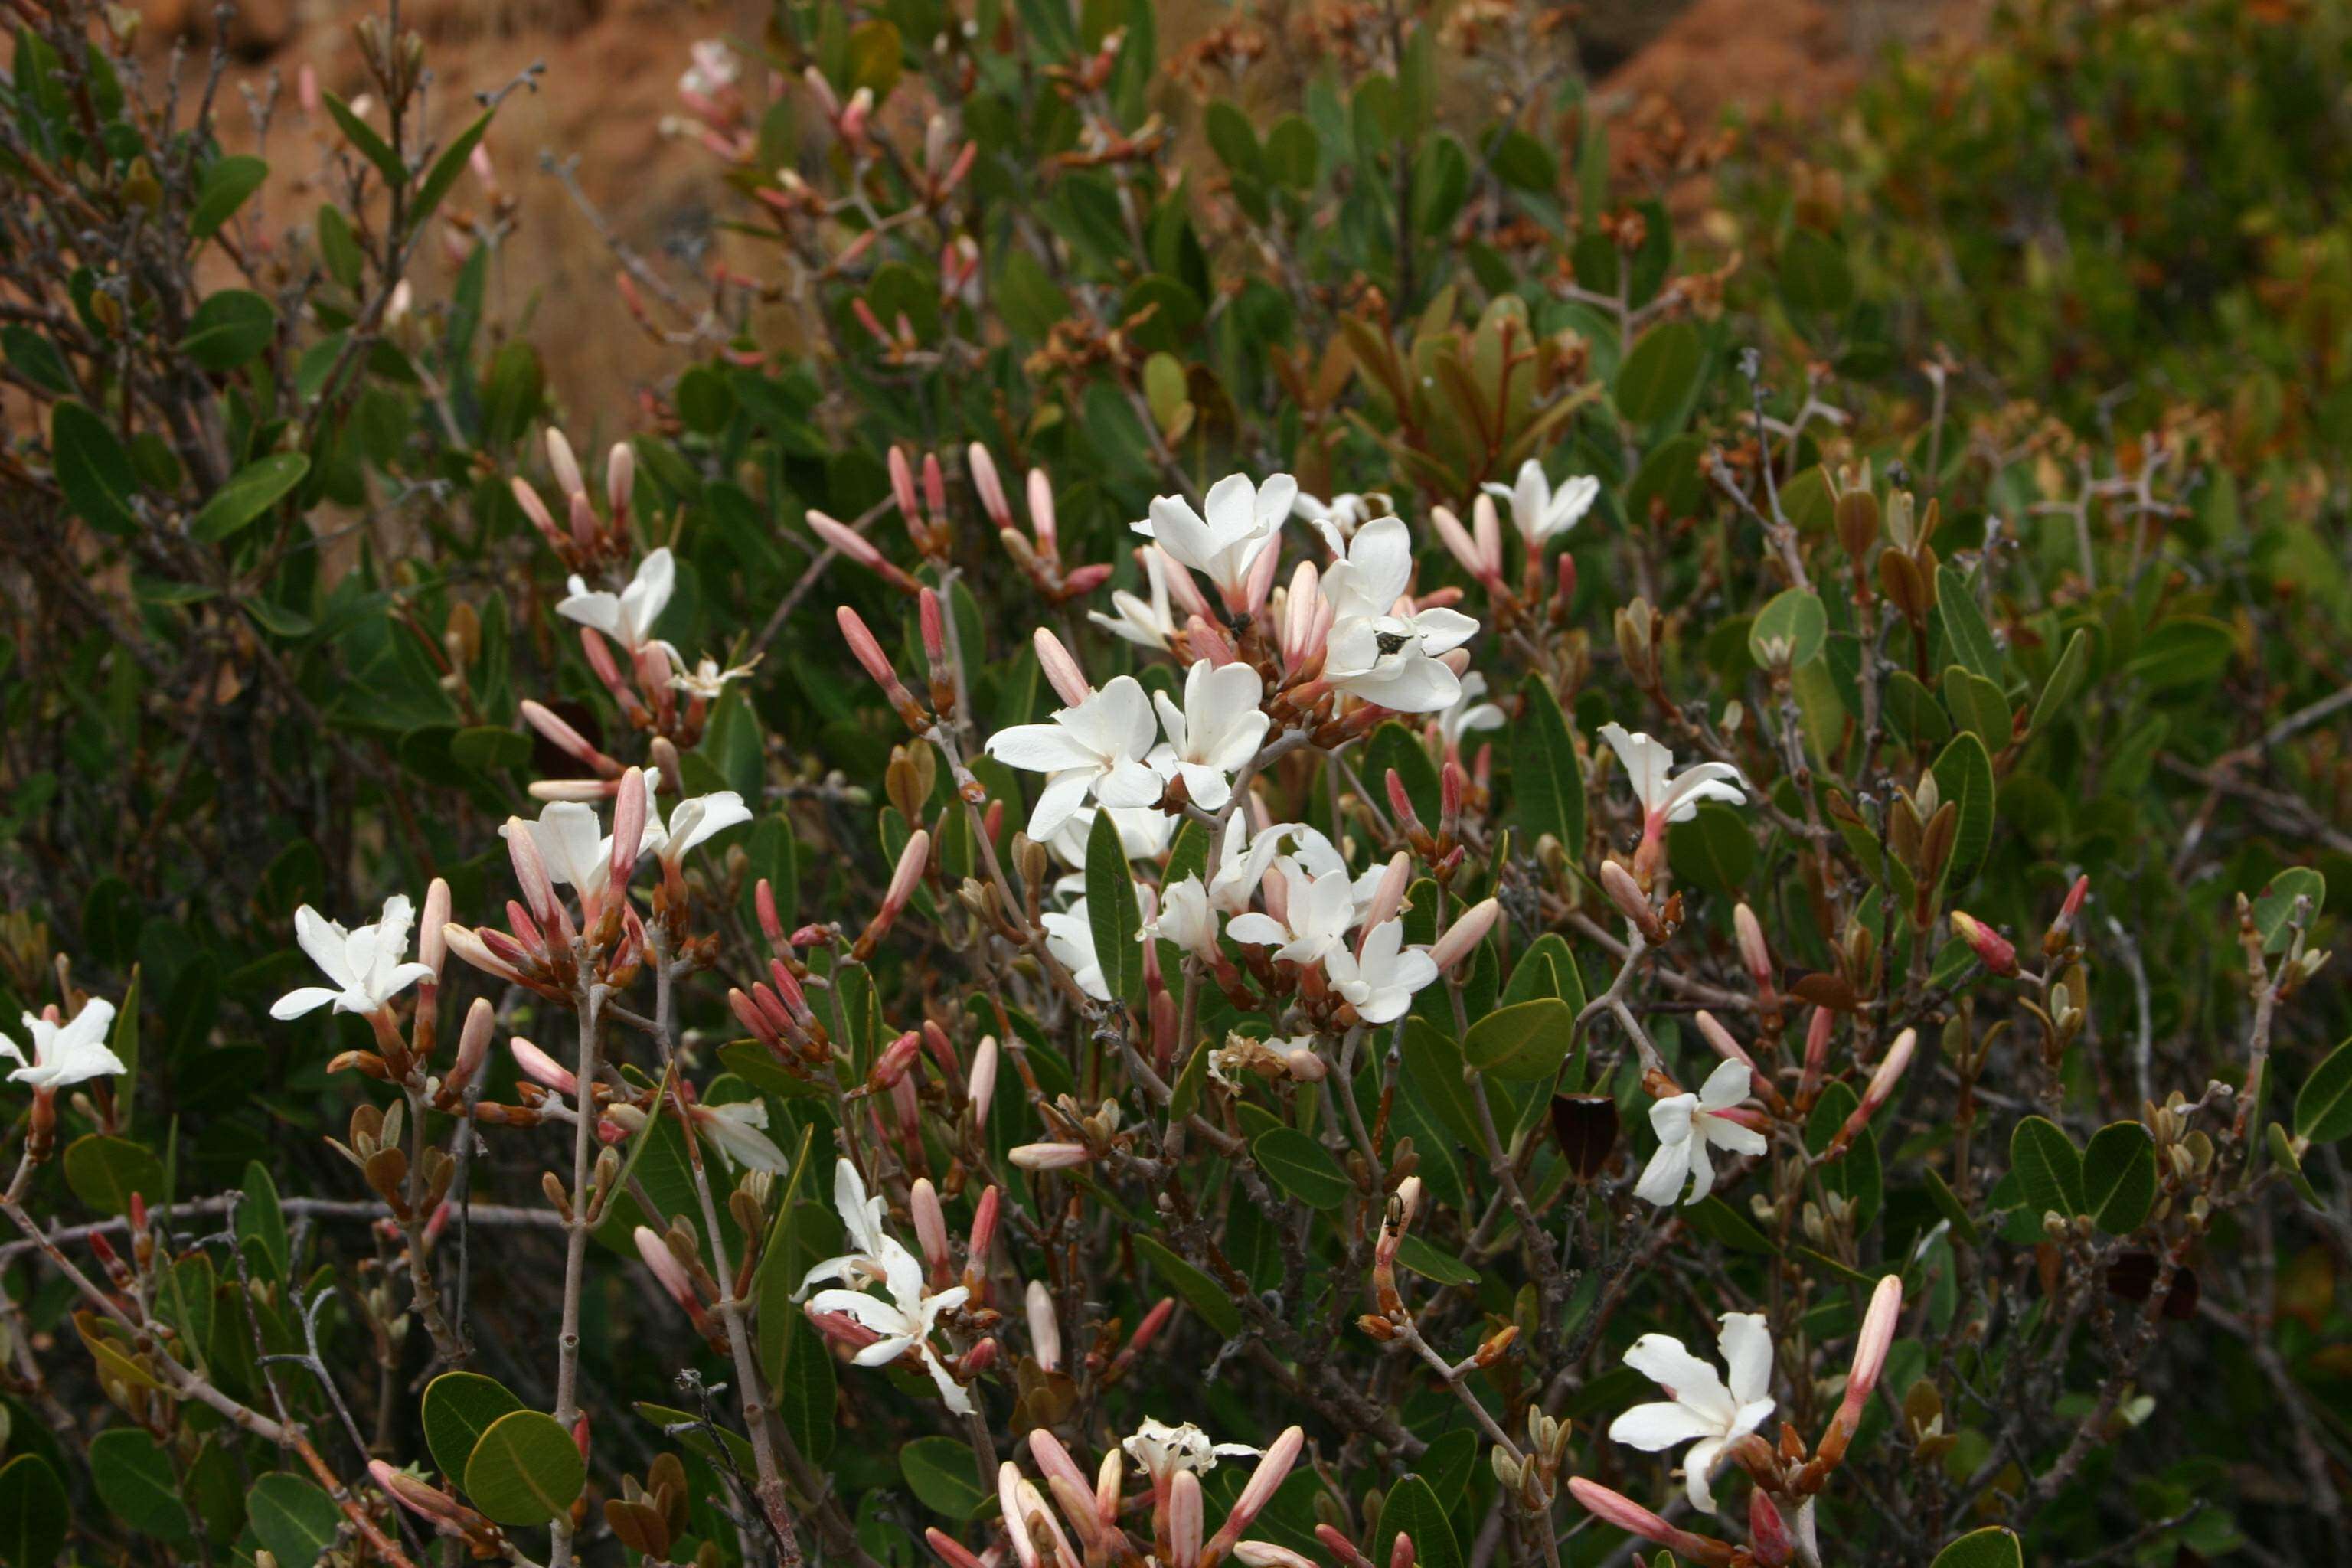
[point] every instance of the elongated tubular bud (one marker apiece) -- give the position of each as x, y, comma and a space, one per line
1259, 584
566, 465
473, 1045
1817, 1054
620, 481
1062, 671
1719, 1040
432, 947
1456, 540
1181, 587
1049, 1156
1753, 951
1045, 1327
1184, 1520
1266, 1555
1628, 1515
981, 1086
1462, 938
1008, 1502
540, 1068
1879, 1321
984, 1215
854, 546
1340, 1547
1388, 893
468, 944
1273, 1468
1883, 1081
877, 663
984, 480
902, 489
914, 856
531, 871
628, 829
934, 630
654, 1250
892, 1064
1768, 1532
527, 497
771, 923
930, 1225
1994, 951
1041, 513
1403, 1553
950, 1551
567, 740
935, 490
1635, 904
421, 1498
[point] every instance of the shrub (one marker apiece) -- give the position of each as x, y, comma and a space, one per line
1648, 782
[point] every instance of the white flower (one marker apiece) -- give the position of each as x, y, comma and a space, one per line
1185, 919
628, 616
691, 822
1468, 713
69, 1053
1318, 910
1242, 519
707, 679
1070, 938
1095, 748
1380, 979
736, 1130
1698, 1406
1537, 509
364, 964
713, 71
1379, 650
1216, 732
1162, 1451
1146, 625
861, 1217
1686, 1125
1239, 870
1665, 800
1144, 832
905, 1321
1337, 518
578, 853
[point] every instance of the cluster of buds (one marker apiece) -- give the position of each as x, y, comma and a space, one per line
1082, 1138
1038, 551
650, 1515
1533, 1478
543, 948
674, 1258
584, 541
375, 1148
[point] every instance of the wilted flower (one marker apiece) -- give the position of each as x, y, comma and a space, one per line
1162, 1451
364, 964
1699, 1405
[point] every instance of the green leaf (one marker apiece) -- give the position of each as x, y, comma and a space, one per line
261, 1221
1964, 777
525, 1471
2323, 1111
1394, 747
228, 329
1525, 1041
93, 468
1293, 152
1431, 1263
1978, 705
941, 1472
1857, 1174
293, 1518
34, 1512
225, 186
1661, 374
2284, 1157
2189, 650
1232, 140
1301, 1167
135, 1479
1788, 630
1947, 1203
1964, 624
1412, 1509
257, 486
2066, 678
372, 147
1992, 1547
1714, 848
339, 248
104, 1171
446, 170
458, 1407
1113, 912
808, 1389
1547, 781
2048, 1166
2119, 1177
1200, 1293
1814, 277
2274, 908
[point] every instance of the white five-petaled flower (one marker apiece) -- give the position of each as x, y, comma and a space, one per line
1380, 979
1096, 748
1380, 649
1242, 521
691, 822
1664, 799
1337, 518
627, 617
578, 853
861, 1217
1317, 909
1216, 732
364, 964
1162, 1451
1468, 713
1698, 1408
905, 1321
1186, 919
1070, 938
1539, 511
66, 1054
1145, 623
738, 1130
1686, 1124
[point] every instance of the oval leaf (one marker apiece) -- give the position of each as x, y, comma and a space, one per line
525, 1471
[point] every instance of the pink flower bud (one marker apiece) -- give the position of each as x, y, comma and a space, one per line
1457, 540
1340, 1547
566, 465
1878, 1325
1753, 951
984, 480
1259, 584
1153, 1322
1628, 1515
419, 1497
1635, 904
306, 90
1062, 671
1817, 1053
772, 924
566, 739
540, 1068
949, 1550
1719, 1040
1486, 531
902, 486
667, 1269
432, 947
892, 1064
931, 1225
1462, 938
913, 858
1401, 804
877, 663
468, 944
1184, 1518
1049, 1156
935, 629
473, 1045
1388, 893
1045, 1328
531, 871
981, 1087
628, 829
1768, 1532
984, 1215
1995, 952
1273, 1468
852, 544
1042, 522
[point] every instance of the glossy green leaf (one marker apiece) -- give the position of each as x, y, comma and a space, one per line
2048, 1167
458, 1407
1662, 372
525, 1469
1964, 778
1113, 912
1790, 630
225, 188
228, 329
104, 1171
1300, 1166
1525, 1041
257, 487
2119, 1177
93, 468
1992, 1547
136, 1481
943, 1476
293, 1518
1546, 780
2274, 907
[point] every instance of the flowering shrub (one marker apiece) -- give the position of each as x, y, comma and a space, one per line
1552, 893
